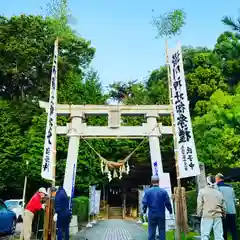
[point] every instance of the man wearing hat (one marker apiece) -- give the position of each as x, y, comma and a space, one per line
35, 204
230, 222
211, 208
156, 200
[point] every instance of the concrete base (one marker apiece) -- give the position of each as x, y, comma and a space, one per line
74, 225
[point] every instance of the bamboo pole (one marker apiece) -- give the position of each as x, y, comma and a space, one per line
177, 194
49, 231
55, 127
46, 220
184, 211
53, 193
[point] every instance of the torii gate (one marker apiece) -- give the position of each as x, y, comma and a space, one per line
77, 129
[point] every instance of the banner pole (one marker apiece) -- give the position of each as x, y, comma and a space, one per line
176, 190
53, 225
49, 224
55, 125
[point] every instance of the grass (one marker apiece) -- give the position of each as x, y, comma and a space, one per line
170, 234
190, 236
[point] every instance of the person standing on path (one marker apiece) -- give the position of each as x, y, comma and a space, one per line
62, 213
156, 200
211, 208
34, 205
230, 222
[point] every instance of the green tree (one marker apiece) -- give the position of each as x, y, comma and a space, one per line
157, 86
12, 146
227, 49
26, 47
78, 90
233, 24
217, 132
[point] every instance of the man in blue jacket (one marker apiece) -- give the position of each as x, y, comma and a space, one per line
62, 213
156, 200
230, 222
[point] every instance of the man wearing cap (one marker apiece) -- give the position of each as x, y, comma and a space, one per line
156, 200
211, 208
230, 222
35, 204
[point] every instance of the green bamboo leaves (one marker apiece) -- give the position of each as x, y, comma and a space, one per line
170, 24
60, 15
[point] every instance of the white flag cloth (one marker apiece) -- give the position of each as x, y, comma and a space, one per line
187, 156
50, 136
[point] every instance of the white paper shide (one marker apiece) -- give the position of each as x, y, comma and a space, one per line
47, 165
187, 156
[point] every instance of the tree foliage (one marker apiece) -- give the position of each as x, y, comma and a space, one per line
170, 24
234, 25
217, 133
26, 48
26, 56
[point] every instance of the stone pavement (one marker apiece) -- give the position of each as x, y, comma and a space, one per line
113, 229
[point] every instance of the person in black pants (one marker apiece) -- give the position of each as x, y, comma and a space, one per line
62, 214
230, 221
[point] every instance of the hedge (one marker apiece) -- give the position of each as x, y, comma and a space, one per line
191, 199
80, 208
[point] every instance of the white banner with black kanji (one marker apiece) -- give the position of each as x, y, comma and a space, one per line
50, 136
187, 156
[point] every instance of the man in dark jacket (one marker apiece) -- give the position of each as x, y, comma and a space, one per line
230, 222
156, 200
62, 213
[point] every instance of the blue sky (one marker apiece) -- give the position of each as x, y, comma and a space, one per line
121, 30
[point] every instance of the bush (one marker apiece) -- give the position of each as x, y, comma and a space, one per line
80, 208
191, 199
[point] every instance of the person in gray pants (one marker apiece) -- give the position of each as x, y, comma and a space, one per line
230, 222
211, 208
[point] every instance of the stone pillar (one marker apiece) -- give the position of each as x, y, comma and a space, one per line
157, 167
72, 156
155, 151
201, 179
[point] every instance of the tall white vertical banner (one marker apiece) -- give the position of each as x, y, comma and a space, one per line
97, 202
187, 156
140, 198
92, 199
164, 183
141, 194
50, 136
